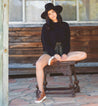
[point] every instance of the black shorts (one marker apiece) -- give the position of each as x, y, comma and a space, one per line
45, 52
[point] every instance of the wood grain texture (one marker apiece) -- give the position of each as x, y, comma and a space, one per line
25, 45
4, 5
26, 42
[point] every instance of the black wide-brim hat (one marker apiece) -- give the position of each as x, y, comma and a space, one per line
50, 6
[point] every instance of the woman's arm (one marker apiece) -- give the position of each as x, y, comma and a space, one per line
66, 41
45, 41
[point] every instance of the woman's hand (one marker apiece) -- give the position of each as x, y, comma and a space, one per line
64, 57
58, 57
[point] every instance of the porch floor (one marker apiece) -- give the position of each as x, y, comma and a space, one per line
22, 91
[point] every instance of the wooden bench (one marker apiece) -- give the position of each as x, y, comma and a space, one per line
68, 69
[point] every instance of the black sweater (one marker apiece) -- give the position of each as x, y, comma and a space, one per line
59, 33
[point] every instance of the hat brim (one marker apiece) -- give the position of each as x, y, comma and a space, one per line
56, 8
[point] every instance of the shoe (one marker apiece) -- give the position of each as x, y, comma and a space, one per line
52, 60
40, 96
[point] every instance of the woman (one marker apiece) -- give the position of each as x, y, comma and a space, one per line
55, 39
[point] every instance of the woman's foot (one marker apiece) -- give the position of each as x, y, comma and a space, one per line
52, 60
40, 96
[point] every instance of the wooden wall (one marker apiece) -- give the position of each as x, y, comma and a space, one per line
25, 43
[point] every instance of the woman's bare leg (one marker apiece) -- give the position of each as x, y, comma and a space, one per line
40, 64
75, 56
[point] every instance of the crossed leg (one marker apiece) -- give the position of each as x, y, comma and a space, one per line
72, 56
76, 56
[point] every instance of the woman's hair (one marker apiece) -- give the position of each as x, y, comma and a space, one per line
49, 22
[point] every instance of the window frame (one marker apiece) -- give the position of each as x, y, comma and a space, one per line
37, 23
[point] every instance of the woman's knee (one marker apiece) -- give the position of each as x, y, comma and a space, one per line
38, 64
84, 54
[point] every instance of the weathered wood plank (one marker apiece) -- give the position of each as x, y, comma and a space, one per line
33, 55
24, 39
34, 44
23, 60
4, 5
84, 38
24, 52
86, 70
26, 48
28, 33
25, 29
1, 52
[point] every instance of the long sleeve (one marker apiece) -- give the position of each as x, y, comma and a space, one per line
66, 41
45, 42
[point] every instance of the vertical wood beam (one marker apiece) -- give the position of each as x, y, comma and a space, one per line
4, 20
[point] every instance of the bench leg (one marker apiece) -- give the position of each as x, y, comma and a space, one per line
71, 85
76, 81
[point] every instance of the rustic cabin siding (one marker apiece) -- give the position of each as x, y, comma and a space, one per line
25, 43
